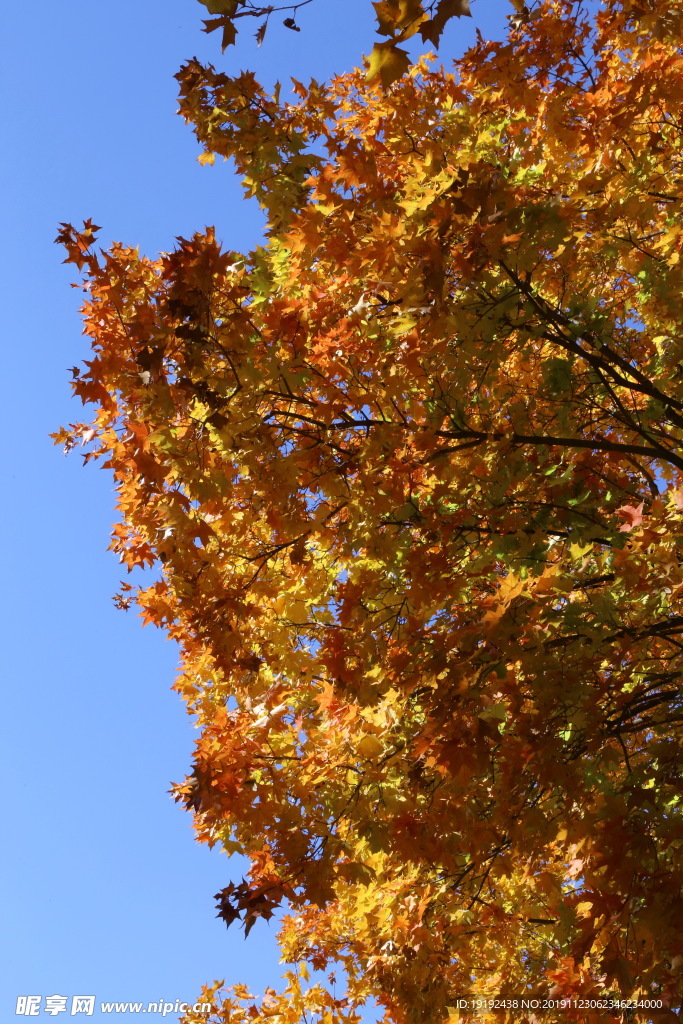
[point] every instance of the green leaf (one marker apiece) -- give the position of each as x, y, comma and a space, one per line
558, 376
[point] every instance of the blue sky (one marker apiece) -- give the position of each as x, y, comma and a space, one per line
108, 893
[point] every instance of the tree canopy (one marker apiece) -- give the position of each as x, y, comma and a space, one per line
411, 471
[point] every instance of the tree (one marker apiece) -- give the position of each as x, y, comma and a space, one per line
412, 473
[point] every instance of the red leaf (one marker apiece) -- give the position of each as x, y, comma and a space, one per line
632, 516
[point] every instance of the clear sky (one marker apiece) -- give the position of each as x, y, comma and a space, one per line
108, 894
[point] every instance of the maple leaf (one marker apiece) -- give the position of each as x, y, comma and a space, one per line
387, 63
632, 516
224, 899
223, 7
432, 30
400, 18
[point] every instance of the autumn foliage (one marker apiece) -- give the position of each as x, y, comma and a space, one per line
412, 474
396, 19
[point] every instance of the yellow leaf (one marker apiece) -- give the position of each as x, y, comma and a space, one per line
402, 17
387, 62
297, 611
370, 746
578, 551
